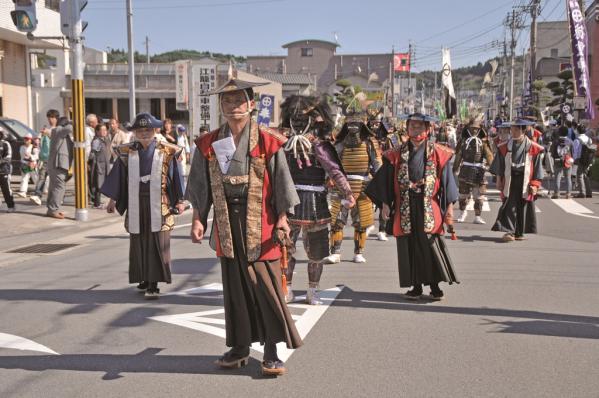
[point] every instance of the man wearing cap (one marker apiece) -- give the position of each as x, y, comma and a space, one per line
240, 171
472, 158
416, 189
519, 169
144, 182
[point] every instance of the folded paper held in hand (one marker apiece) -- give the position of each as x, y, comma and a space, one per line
224, 150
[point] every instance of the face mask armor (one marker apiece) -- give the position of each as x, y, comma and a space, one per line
353, 134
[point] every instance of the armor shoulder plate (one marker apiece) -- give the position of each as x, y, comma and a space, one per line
277, 134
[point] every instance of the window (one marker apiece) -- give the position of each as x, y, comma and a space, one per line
554, 53
307, 52
53, 5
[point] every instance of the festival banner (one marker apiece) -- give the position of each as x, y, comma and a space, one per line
579, 43
449, 93
401, 62
266, 109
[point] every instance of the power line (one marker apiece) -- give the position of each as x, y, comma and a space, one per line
181, 6
463, 23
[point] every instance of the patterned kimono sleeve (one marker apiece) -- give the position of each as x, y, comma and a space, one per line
198, 192
284, 194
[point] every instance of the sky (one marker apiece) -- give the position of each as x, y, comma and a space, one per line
471, 28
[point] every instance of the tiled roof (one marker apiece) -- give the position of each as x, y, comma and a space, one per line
287, 78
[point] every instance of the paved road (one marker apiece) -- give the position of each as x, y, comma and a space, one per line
523, 322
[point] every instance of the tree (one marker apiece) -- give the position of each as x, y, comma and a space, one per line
562, 90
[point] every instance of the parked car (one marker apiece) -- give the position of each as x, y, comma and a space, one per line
15, 132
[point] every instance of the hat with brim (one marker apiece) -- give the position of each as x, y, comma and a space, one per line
420, 117
145, 121
236, 85
521, 122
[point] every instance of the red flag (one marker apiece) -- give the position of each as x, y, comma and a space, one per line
401, 62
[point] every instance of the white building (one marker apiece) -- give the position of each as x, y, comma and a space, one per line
33, 74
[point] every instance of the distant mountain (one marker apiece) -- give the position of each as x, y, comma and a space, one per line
120, 56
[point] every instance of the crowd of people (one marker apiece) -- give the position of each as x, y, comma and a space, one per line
266, 187
46, 159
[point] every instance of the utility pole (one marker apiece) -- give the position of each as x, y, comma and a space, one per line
410, 70
72, 27
132, 111
534, 12
513, 27
147, 43
392, 75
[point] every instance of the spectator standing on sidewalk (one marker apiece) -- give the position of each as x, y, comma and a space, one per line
91, 122
99, 163
59, 162
42, 165
563, 161
29, 156
119, 137
167, 132
584, 152
5, 171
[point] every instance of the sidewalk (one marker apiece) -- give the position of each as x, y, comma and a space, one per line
30, 224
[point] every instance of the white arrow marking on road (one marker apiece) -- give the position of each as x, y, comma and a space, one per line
203, 322
573, 207
20, 343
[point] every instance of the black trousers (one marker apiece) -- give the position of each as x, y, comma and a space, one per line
6, 192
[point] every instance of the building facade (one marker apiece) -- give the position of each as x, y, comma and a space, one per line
107, 91
32, 73
319, 61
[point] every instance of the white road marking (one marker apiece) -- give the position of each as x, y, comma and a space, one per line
20, 343
210, 288
573, 207
202, 321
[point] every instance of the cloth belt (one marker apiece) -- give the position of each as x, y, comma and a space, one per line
358, 177
310, 188
481, 165
145, 179
236, 180
518, 165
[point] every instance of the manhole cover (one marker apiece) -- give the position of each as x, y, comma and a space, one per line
43, 248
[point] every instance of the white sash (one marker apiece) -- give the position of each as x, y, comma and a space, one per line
508, 169
134, 180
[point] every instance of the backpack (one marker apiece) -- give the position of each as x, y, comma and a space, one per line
587, 154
